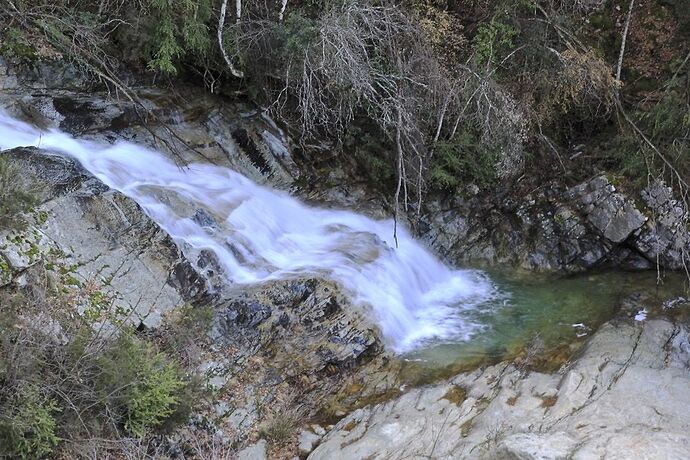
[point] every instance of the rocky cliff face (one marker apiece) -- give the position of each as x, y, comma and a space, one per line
93, 235
554, 228
272, 343
282, 346
551, 228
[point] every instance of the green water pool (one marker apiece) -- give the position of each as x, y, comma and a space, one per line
552, 313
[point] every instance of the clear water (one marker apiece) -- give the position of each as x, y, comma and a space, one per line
560, 311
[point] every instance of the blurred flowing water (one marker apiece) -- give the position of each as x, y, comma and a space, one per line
425, 310
259, 234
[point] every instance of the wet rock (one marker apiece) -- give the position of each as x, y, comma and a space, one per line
204, 219
49, 175
192, 127
41, 111
309, 320
54, 75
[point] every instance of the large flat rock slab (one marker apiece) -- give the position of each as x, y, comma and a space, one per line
626, 396
99, 239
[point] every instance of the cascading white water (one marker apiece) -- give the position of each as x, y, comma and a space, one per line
261, 234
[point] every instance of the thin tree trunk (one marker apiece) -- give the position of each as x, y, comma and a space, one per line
221, 26
625, 36
283, 5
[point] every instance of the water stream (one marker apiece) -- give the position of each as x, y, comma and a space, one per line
260, 234
426, 311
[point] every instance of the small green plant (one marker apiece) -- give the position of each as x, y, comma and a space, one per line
27, 430
493, 41
140, 383
154, 399
177, 28
16, 48
462, 160
299, 32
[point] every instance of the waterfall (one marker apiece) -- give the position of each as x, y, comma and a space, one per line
259, 234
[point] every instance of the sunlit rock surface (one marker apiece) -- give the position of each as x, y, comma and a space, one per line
625, 397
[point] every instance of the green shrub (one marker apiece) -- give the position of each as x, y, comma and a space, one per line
106, 386
16, 48
140, 384
493, 41
462, 161
27, 429
299, 32
154, 398
668, 119
177, 28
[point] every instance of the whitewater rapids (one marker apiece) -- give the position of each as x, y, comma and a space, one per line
259, 234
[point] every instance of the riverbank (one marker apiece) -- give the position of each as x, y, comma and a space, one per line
286, 355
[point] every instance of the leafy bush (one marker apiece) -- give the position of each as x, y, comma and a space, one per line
139, 383
15, 47
493, 41
177, 28
95, 386
583, 88
444, 29
27, 426
463, 161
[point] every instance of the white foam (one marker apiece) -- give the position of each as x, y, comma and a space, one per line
263, 234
